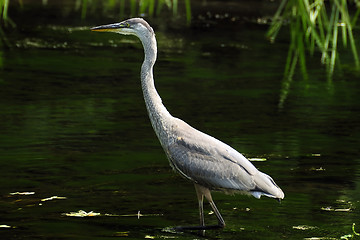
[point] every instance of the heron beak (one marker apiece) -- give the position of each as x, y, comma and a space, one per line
109, 27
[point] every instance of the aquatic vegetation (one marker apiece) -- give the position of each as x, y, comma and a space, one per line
4, 5
52, 198
135, 7
22, 193
6, 226
303, 227
3, 16
312, 29
82, 213
353, 235
5, 21
122, 8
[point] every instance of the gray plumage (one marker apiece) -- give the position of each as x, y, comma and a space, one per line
206, 161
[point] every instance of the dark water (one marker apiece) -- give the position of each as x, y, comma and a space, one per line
74, 125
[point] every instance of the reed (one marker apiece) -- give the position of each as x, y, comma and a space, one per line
4, 5
5, 21
138, 7
314, 25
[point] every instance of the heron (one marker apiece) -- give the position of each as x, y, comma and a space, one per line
204, 160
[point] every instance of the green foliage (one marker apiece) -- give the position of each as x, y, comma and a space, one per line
4, 4
353, 235
4, 19
134, 8
311, 28
137, 7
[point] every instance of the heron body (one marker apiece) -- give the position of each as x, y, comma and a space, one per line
209, 163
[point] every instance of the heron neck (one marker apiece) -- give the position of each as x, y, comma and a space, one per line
158, 114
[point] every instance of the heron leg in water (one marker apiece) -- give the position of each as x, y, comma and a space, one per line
200, 197
202, 192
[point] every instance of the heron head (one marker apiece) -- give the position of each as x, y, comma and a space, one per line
134, 26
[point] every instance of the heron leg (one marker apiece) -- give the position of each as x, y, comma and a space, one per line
200, 197
201, 192
218, 215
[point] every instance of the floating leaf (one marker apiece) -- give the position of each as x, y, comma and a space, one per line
327, 209
6, 226
303, 227
348, 236
121, 234
330, 209
343, 210
22, 193
317, 169
52, 198
319, 238
82, 213
257, 159
316, 155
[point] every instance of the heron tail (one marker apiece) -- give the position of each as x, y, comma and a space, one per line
266, 186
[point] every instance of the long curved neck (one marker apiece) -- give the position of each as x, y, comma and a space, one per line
159, 116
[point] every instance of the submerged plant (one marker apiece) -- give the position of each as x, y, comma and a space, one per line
314, 25
353, 235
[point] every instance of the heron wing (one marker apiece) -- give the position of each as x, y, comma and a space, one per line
210, 162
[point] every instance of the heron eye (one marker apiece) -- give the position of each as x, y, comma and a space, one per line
127, 24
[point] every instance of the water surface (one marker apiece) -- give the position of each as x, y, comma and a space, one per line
74, 125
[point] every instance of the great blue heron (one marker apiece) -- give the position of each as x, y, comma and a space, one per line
209, 163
